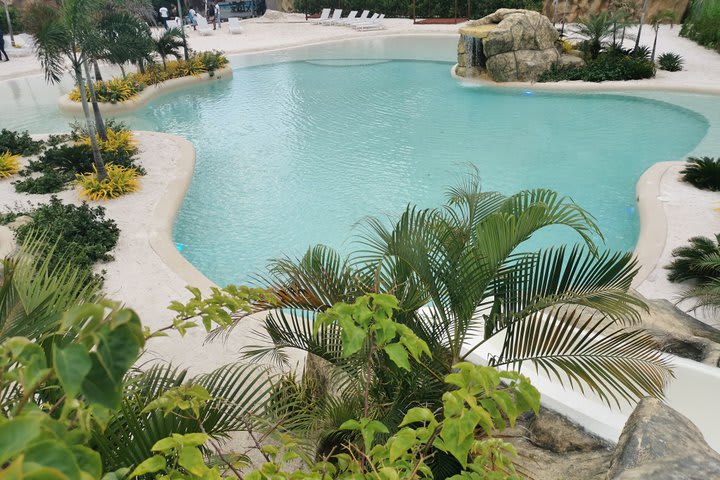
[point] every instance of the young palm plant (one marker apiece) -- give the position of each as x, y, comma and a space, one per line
169, 44
596, 29
663, 16
462, 278
63, 33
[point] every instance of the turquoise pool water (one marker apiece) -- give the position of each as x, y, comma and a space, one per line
294, 154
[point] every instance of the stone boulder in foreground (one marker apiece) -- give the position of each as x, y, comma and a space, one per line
509, 45
659, 443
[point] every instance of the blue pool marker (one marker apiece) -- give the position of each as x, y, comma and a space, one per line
529, 92
180, 246
631, 211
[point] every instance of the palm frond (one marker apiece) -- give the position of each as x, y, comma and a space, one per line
572, 347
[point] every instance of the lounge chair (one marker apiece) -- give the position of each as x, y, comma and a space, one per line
337, 13
361, 18
323, 16
350, 18
173, 23
202, 26
374, 23
234, 25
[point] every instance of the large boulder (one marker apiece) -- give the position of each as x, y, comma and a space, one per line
509, 45
659, 443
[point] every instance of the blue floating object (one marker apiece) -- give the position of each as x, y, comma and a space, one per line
631, 211
180, 246
529, 92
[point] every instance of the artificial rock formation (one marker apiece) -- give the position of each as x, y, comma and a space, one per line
509, 45
659, 443
578, 9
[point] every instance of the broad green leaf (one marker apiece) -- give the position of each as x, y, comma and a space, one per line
353, 337
401, 442
88, 460
418, 414
194, 439
398, 355
72, 364
55, 455
151, 465
16, 434
191, 459
165, 445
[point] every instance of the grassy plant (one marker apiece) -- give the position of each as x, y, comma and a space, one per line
702, 172
699, 261
9, 165
702, 23
120, 181
613, 65
671, 62
50, 181
117, 140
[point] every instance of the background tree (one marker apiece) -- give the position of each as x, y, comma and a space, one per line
663, 16
9, 23
169, 44
65, 33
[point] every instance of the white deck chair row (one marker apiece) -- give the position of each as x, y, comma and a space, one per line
352, 20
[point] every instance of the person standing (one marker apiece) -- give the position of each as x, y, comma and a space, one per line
191, 18
2, 46
164, 16
216, 16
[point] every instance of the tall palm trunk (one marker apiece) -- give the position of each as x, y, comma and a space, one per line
652, 56
99, 124
98, 74
9, 23
97, 157
642, 20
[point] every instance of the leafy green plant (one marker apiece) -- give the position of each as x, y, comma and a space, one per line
702, 172
671, 62
702, 23
18, 143
596, 29
49, 182
613, 65
81, 234
698, 261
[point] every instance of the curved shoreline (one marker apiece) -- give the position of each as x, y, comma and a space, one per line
149, 93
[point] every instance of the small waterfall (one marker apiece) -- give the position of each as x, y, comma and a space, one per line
470, 55
469, 51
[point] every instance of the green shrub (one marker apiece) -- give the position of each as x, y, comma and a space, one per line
671, 62
83, 235
702, 23
15, 18
49, 182
19, 143
699, 261
608, 66
702, 172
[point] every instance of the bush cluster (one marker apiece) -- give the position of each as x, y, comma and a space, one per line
702, 23
81, 234
125, 88
671, 62
15, 18
612, 65
59, 165
18, 143
120, 180
702, 172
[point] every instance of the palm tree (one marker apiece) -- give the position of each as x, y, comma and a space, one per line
169, 43
660, 17
9, 23
642, 20
596, 29
65, 33
463, 279
127, 39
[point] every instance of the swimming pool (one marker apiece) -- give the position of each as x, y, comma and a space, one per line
295, 152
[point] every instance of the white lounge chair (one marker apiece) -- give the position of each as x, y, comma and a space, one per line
374, 23
361, 18
234, 25
350, 18
324, 15
202, 26
173, 23
337, 13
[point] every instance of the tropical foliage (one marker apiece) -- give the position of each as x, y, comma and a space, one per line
81, 234
670, 62
702, 23
18, 143
663, 16
125, 88
9, 165
702, 172
699, 264
464, 282
119, 181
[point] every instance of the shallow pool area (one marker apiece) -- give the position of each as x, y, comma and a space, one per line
299, 146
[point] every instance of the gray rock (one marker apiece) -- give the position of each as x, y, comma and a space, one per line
557, 434
521, 31
570, 61
520, 66
659, 443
